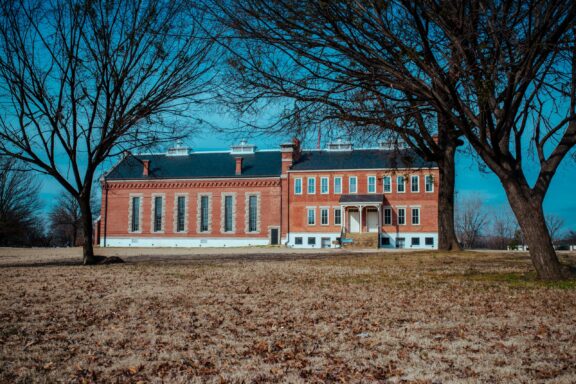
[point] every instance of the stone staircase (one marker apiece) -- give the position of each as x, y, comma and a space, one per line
361, 240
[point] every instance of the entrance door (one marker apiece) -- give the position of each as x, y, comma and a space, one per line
354, 220
372, 220
325, 242
274, 236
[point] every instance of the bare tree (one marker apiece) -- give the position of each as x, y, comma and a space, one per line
66, 221
555, 224
20, 220
471, 219
82, 81
501, 73
318, 62
504, 227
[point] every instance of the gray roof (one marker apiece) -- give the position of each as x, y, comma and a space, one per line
258, 164
369, 198
360, 159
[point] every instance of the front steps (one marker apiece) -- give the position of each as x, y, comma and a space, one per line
361, 240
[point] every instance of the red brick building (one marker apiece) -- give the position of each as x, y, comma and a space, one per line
245, 197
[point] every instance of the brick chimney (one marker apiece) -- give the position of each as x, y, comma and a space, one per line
239, 166
146, 169
288, 152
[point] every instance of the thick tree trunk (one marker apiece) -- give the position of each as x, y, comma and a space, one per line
447, 240
88, 257
528, 211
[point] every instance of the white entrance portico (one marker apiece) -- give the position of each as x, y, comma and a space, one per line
361, 213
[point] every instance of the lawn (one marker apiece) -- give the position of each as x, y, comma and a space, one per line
420, 317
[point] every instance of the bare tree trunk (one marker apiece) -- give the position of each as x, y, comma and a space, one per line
447, 240
88, 257
530, 216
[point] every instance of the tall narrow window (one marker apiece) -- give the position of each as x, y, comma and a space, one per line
228, 210
324, 216
253, 214
311, 216
415, 216
338, 185
387, 216
353, 184
415, 183
324, 188
311, 185
180, 213
135, 214
401, 184
337, 216
157, 213
371, 184
298, 186
387, 182
429, 181
401, 216
204, 206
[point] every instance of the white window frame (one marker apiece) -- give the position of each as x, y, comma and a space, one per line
296, 181
327, 210
384, 184
308, 210
350, 178
308, 185
338, 191
398, 184
412, 178
412, 210
387, 209
368, 184
337, 209
403, 209
327, 185
426, 184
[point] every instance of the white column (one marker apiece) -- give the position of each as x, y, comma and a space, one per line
379, 223
360, 209
342, 219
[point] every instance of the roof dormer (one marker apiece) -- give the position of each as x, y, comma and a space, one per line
339, 145
242, 149
178, 150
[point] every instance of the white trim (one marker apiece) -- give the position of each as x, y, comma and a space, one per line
308, 185
359, 169
308, 210
327, 178
192, 179
327, 209
393, 236
398, 184
387, 208
291, 241
418, 184
391, 184
368, 184
341, 184
398, 215
412, 215
339, 209
185, 242
426, 176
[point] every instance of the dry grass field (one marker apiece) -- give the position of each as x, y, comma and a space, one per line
418, 317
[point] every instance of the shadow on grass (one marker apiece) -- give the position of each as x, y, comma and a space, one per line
515, 279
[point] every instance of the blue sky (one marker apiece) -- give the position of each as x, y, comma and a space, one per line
470, 181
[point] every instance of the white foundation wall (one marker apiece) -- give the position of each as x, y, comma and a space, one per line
182, 242
407, 236
317, 239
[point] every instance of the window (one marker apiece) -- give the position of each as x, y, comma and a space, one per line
180, 213
400, 242
311, 185
415, 183
135, 225
415, 241
371, 184
387, 216
401, 216
337, 216
204, 206
298, 240
298, 186
228, 213
429, 183
253, 213
385, 241
324, 186
338, 185
311, 241
324, 216
415, 216
387, 183
157, 227
311, 216
401, 184
353, 184
429, 241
